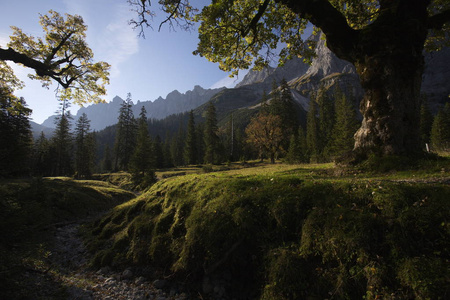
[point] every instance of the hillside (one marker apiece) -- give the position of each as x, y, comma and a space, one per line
287, 232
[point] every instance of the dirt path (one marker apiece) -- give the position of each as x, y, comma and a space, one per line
68, 269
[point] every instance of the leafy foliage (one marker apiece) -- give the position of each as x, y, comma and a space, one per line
62, 55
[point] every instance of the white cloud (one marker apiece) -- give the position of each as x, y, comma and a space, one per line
118, 41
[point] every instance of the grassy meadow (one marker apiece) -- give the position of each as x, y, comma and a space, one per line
287, 232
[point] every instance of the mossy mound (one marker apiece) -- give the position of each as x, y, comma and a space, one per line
288, 235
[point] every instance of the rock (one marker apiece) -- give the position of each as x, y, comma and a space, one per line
139, 280
159, 283
104, 270
127, 274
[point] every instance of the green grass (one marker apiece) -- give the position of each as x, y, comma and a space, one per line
29, 210
290, 232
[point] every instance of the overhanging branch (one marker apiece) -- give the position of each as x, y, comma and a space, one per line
340, 36
41, 68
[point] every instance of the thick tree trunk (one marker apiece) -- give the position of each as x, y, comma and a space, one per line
390, 106
389, 60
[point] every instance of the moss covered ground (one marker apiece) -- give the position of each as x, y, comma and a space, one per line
288, 232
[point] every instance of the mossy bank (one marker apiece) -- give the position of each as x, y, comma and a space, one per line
286, 233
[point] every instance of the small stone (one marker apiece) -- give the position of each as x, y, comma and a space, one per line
159, 283
104, 270
139, 280
127, 274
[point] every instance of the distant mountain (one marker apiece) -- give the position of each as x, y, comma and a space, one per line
105, 114
37, 129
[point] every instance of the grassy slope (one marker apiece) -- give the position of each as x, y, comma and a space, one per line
289, 232
30, 210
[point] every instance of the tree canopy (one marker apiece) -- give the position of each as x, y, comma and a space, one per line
62, 55
240, 33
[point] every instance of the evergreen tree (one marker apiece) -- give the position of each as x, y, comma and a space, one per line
177, 145
312, 133
125, 135
212, 141
342, 139
142, 162
440, 131
85, 150
15, 134
61, 143
160, 158
326, 123
297, 152
107, 165
282, 105
200, 131
426, 123
41, 156
190, 148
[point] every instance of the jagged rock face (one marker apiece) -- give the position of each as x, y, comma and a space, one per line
262, 80
106, 114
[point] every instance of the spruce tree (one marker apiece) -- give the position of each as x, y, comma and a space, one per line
142, 162
107, 165
62, 143
312, 133
84, 148
282, 105
212, 141
41, 156
125, 135
160, 158
326, 123
342, 138
426, 123
297, 152
440, 131
190, 148
15, 134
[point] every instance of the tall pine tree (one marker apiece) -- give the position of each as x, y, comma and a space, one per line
62, 143
440, 131
211, 138
142, 162
426, 123
15, 134
342, 137
312, 133
125, 135
84, 148
190, 148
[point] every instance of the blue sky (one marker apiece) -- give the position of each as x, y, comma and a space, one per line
147, 68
